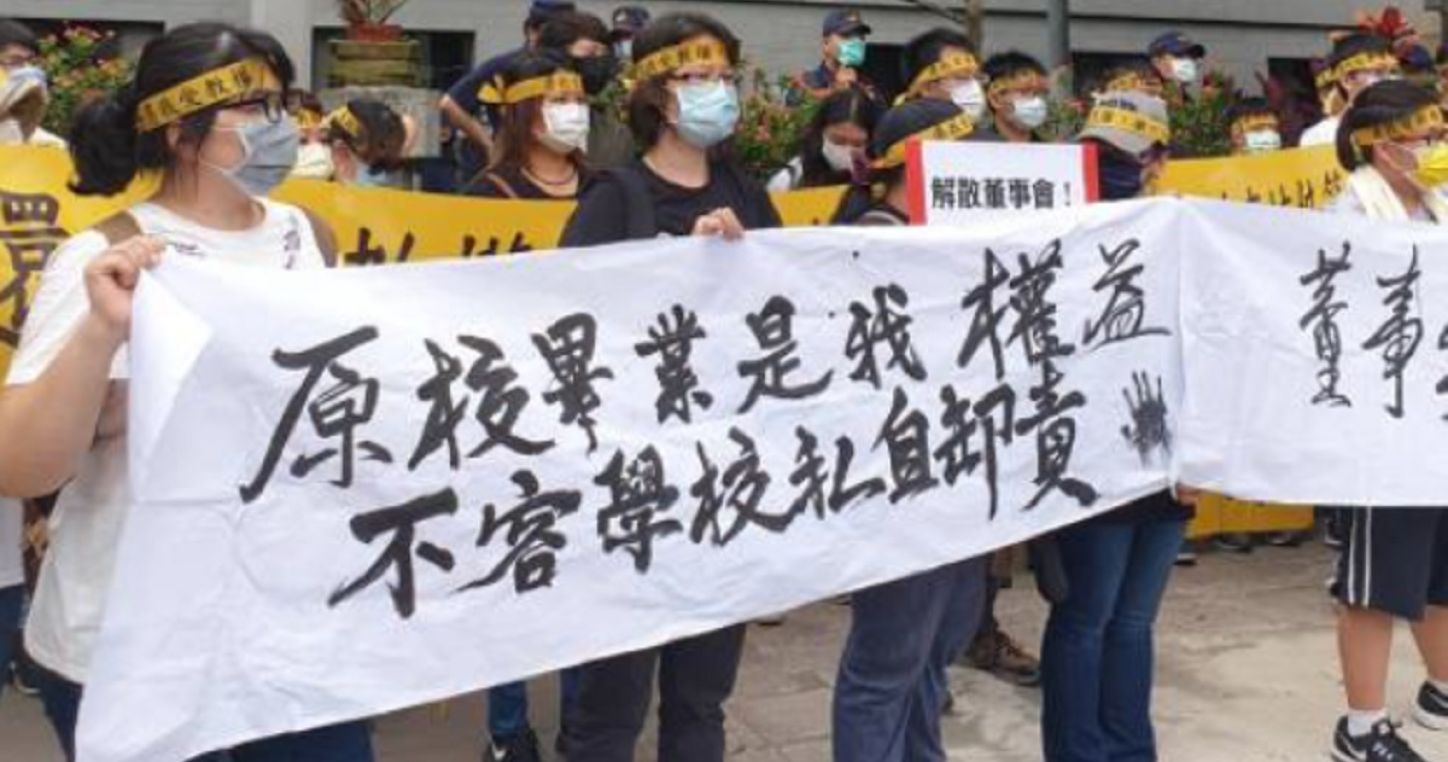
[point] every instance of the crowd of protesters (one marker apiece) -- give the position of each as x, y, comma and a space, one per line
531, 124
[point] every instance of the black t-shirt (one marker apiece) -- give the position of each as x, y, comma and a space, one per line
510, 183
602, 215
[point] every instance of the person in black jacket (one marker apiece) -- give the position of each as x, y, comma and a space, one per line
683, 109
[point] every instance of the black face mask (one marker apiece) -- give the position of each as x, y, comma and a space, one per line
1120, 178
596, 72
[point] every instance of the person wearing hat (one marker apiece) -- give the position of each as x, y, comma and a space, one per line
1097, 654
1357, 62
892, 686
628, 21
843, 48
464, 110
1394, 561
1177, 58
24, 88
942, 64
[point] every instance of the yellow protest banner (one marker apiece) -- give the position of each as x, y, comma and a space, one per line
1308, 178
372, 226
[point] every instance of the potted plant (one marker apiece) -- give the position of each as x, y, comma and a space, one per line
81, 64
375, 51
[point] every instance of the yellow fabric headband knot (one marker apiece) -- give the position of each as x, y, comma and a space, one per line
1133, 122
952, 129
1426, 118
226, 84
707, 51
953, 65
557, 83
344, 120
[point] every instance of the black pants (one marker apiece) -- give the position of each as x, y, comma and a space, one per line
696, 676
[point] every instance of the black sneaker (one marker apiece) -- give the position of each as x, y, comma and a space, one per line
520, 748
1381, 745
1431, 709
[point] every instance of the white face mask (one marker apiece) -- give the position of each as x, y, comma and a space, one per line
970, 97
1030, 112
1185, 70
840, 157
565, 127
10, 132
1261, 141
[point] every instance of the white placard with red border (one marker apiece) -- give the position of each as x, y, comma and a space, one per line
954, 183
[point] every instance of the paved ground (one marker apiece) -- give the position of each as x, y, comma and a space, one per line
1247, 671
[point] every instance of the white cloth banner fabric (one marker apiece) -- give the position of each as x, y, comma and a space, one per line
1316, 357
364, 490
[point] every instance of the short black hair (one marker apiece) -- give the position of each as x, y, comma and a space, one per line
1010, 63
1357, 44
13, 32
1140, 67
1383, 103
650, 98
564, 29
925, 50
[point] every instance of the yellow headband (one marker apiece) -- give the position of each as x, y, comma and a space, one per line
953, 65
1254, 122
1129, 82
343, 119
307, 119
1363, 62
1413, 125
557, 83
229, 83
700, 50
951, 129
1021, 80
1326, 78
1133, 122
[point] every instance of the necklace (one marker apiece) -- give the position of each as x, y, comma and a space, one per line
534, 176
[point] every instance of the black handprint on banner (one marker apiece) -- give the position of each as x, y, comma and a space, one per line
1148, 431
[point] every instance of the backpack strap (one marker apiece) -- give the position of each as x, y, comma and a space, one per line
322, 234
118, 228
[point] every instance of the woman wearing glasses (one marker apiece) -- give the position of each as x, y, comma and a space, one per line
205, 114
683, 109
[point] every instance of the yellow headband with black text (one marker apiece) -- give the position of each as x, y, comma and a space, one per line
700, 50
1366, 62
228, 84
1412, 126
557, 83
345, 121
952, 129
1256, 122
1134, 122
1025, 79
952, 65
1131, 82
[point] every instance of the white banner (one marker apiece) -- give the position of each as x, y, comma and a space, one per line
363, 490
1316, 357
955, 183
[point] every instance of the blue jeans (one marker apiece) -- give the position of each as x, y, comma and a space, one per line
1096, 661
347, 742
508, 705
12, 601
892, 683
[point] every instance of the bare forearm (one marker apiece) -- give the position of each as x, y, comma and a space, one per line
50, 423
474, 129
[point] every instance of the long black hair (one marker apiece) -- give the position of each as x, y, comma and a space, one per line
1383, 103
850, 106
108, 149
898, 124
516, 136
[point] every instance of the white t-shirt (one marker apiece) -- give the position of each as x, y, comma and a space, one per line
85, 527
1324, 133
12, 554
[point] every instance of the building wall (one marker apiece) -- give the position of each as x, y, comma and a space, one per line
784, 35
